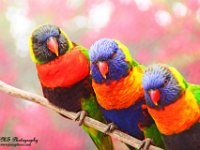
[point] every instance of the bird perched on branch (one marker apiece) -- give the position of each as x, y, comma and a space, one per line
63, 69
174, 105
117, 82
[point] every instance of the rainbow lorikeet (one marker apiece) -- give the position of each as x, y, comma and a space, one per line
117, 82
174, 105
63, 69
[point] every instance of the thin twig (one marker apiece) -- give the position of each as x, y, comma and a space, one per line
87, 121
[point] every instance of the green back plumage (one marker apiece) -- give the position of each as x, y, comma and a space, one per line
83, 50
196, 91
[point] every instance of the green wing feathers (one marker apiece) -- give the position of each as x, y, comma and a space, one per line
83, 50
196, 91
91, 106
153, 133
102, 141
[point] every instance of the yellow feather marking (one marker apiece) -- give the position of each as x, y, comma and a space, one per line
69, 41
34, 59
31, 44
31, 50
125, 50
178, 77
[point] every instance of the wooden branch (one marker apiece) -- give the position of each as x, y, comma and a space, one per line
87, 121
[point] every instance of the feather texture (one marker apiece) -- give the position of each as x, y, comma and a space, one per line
177, 114
120, 92
65, 79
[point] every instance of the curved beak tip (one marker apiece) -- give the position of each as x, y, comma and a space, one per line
104, 76
155, 103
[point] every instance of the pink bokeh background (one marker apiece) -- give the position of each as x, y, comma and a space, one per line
154, 31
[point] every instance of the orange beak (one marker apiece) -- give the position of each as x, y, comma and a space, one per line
103, 68
155, 96
52, 45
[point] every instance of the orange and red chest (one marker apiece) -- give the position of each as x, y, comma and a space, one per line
122, 93
65, 70
178, 116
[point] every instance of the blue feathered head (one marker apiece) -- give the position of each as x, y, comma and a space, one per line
162, 85
110, 60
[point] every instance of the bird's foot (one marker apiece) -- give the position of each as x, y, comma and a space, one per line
145, 144
80, 116
110, 128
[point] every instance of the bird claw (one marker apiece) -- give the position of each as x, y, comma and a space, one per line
145, 144
110, 128
80, 116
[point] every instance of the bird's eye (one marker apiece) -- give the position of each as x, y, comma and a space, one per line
166, 81
113, 55
59, 31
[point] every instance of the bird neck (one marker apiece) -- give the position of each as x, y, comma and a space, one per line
65, 70
122, 93
178, 116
